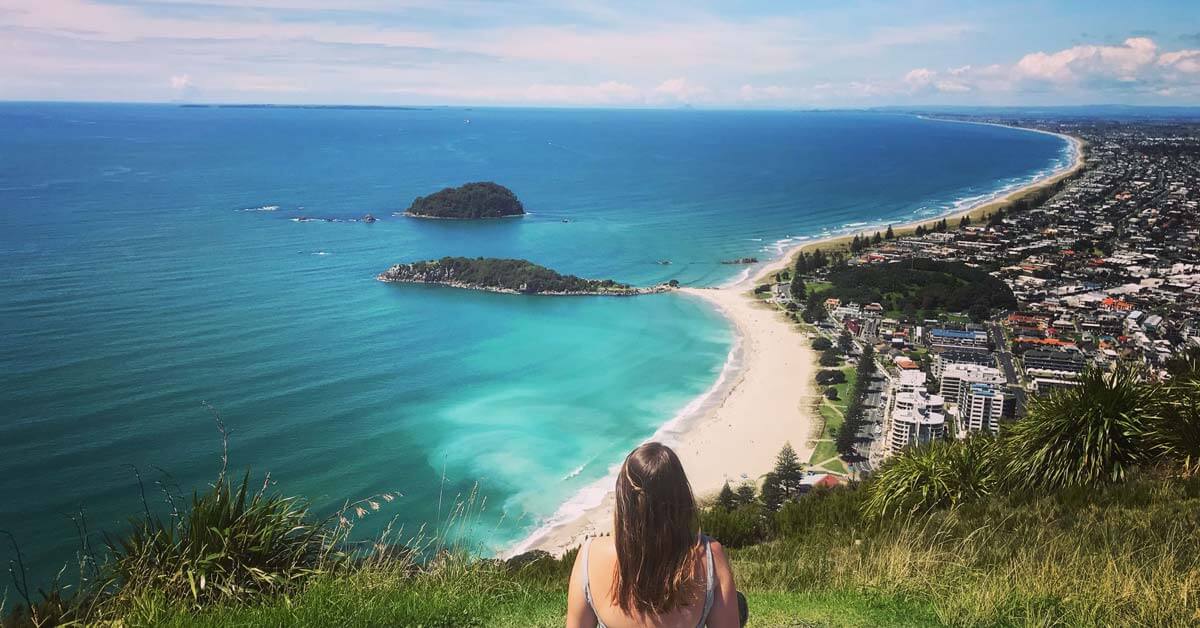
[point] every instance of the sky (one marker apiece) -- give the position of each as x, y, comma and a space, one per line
610, 53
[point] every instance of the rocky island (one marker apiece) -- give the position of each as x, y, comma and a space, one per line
741, 260
511, 276
470, 201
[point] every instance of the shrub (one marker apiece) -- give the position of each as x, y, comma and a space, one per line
734, 528
1084, 435
821, 343
830, 358
831, 393
830, 377
231, 543
935, 475
1173, 432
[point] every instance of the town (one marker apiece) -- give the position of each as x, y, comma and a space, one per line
1099, 268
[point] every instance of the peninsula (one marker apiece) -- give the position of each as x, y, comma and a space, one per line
510, 276
470, 201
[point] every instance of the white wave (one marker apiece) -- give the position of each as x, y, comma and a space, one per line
668, 433
575, 472
264, 208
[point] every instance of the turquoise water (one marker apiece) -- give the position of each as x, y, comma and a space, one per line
143, 272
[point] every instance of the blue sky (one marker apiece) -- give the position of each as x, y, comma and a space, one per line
602, 53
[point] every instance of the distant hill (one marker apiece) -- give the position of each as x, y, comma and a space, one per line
483, 199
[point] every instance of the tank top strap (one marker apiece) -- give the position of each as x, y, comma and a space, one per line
587, 585
709, 583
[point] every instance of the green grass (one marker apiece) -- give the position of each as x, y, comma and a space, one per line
1118, 555
833, 420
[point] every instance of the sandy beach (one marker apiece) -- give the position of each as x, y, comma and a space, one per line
771, 397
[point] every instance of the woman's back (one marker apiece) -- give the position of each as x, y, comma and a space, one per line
597, 564
656, 569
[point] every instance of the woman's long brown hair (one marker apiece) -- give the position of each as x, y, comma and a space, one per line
656, 532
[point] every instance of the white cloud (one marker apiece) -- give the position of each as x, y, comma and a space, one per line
1135, 66
765, 94
925, 80
1187, 61
1122, 62
180, 82
680, 90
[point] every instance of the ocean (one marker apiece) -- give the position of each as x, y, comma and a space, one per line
156, 257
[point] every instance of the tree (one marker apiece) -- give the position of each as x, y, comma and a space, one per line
801, 263
772, 493
814, 309
877, 239
845, 341
745, 494
965, 222
726, 499
821, 343
889, 234
979, 312
830, 376
798, 288
830, 358
788, 472
920, 230
831, 393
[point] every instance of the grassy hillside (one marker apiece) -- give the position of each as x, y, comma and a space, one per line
1121, 556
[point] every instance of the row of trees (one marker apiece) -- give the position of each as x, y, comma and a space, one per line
856, 408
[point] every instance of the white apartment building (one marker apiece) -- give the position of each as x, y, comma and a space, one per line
957, 380
917, 417
981, 409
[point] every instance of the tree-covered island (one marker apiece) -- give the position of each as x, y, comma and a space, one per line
470, 201
512, 276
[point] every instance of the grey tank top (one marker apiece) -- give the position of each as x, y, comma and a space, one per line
708, 582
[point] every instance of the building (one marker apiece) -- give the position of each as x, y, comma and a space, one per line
1053, 364
917, 418
946, 358
981, 409
958, 340
910, 381
957, 380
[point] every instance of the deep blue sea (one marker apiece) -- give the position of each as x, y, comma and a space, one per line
150, 260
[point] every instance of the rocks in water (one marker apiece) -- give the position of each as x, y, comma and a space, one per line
368, 219
741, 260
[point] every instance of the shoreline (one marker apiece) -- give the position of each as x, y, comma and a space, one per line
739, 425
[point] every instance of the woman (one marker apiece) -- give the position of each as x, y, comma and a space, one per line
656, 569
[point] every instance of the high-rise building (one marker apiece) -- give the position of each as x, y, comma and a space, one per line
916, 416
957, 380
981, 409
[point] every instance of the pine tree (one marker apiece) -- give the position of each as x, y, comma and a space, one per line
745, 494
772, 493
920, 231
965, 222
726, 499
889, 235
845, 341
788, 472
798, 288
801, 263
877, 239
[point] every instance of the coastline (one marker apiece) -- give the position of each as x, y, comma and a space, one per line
745, 419
731, 433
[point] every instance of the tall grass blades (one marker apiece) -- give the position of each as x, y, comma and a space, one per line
1084, 435
231, 544
933, 476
